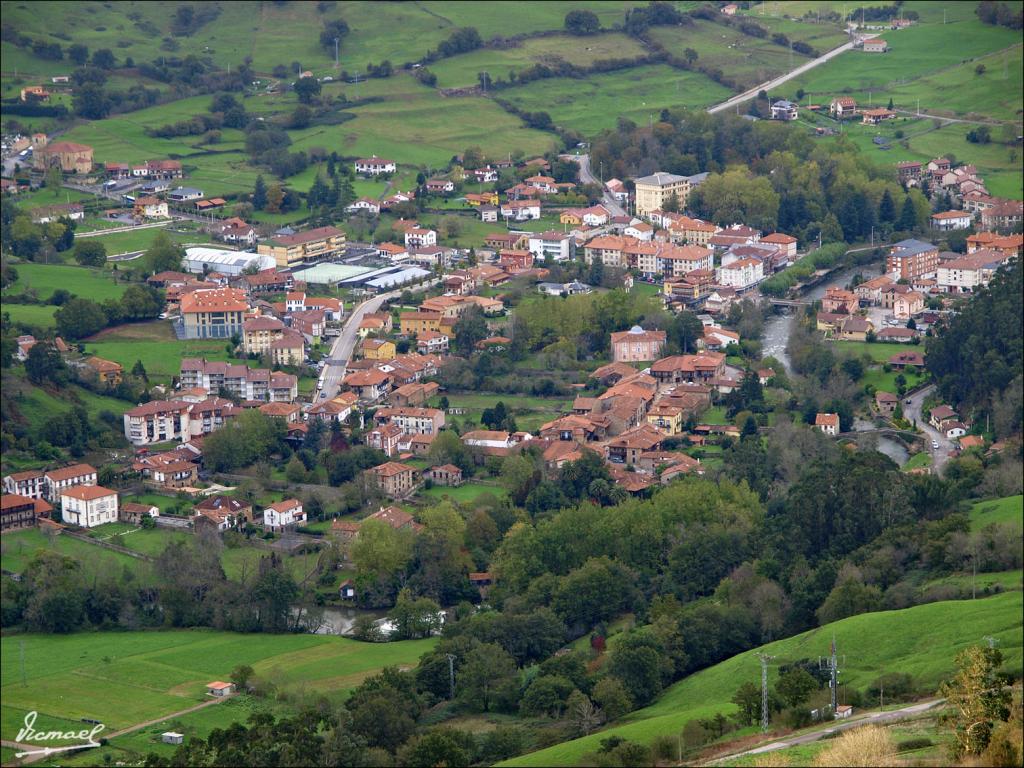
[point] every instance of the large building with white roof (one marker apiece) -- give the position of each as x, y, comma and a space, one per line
201, 259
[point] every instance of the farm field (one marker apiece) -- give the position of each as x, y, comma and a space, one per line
921, 641
916, 53
595, 103
139, 240
158, 673
31, 314
44, 279
426, 129
461, 71
748, 60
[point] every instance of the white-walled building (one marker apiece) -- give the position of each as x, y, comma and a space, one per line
88, 506
741, 273
283, 515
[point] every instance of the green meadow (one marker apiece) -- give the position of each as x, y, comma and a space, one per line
155, 345
44, 279
749, 60
921, 641
461, 71
126, 678
1009, 509
595, 103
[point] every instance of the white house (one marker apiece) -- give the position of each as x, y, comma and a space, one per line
283, 515
419, 238
364, 204
182, 194
741, 273
641, 230
947, 220
374, 166
521, 210
486, 174
88, 505
784, 110
595, 216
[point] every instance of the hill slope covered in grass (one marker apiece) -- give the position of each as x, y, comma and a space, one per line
920, 641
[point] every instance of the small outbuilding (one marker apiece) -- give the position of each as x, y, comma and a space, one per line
218, 688
170, 737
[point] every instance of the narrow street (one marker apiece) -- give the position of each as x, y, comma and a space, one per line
840, 726
587, 177
341, 350
912, 407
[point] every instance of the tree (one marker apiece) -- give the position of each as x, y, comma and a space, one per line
44, 363
908, 216
748, 699
638, 663
849, 598
613, 697
795, 686
482, 674
80, 318
440, 746
78, 53
546, 696
241, 675
90, 253
469, 329
977, 697
164, 254
582, 22
90, 101
886, 209
582, 713
104, 59
139, 371
295, 471
307, 89
259, 194
275, 197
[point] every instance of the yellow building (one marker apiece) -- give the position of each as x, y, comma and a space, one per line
291, 250
652, 192
378, 349
666, 418
415, 323
107, 371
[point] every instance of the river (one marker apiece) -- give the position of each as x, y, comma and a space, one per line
775, 339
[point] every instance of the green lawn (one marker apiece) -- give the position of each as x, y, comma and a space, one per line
157, 673
918, 460
44, 279
464, 494
920, 641
595, 103
877, 351
155, 345
1009, 509
886, 382
139, 240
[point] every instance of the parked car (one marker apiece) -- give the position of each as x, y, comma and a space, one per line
935, 445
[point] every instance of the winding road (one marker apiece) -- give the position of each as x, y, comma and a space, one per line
587, 177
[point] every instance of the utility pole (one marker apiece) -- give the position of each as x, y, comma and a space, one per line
451, 674
335, 52
831, 663
21, 650
764, 658
992, 641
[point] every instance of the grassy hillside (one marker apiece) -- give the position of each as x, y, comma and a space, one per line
595, 103
921, 641
126, 678
1009, 509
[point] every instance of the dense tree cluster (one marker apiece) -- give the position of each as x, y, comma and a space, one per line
976, 359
